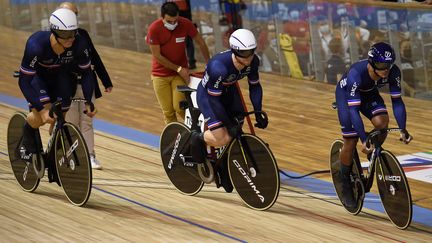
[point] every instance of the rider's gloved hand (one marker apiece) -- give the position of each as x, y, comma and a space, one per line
44, 113
405, 136
367, 148
261, 120
90, 109
234, 130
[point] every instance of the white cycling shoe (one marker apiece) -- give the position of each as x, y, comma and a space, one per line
95, 163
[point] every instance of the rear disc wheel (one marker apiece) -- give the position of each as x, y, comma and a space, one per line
23, 171
174, 147
356, 182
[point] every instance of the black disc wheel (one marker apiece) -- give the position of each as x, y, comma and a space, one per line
356, 182
23, 171
253, 172
394, 190
72, 161
175, 155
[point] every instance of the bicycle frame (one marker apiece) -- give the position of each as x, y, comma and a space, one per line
58, 127
368, 178
373, 161
233, 166
195, 112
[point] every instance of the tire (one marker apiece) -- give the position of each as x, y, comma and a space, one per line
174, 142
258, 186
23, 171
394, 190
358, 188
72, 161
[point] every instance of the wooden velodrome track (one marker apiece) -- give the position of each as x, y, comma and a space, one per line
132, 199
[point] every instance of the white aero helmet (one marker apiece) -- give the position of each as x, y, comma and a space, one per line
243, 43
63, 23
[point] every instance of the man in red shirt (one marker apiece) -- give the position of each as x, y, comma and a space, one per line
167, 40
186, 12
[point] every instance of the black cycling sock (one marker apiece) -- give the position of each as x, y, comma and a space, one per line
28, 141
345, 171
347, 192
198, 147
224, 176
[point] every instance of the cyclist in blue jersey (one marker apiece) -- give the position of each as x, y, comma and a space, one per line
356, 92
49, 61
218, 98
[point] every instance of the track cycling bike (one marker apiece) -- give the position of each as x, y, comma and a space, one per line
252, 168
392, 183
66, 157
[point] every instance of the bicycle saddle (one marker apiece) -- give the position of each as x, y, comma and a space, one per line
184, 88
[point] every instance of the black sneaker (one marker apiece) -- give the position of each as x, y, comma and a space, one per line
225, 180
348, 196
347, 191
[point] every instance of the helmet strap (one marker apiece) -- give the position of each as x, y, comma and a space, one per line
239, 61
374, 69
376, 72
58, 52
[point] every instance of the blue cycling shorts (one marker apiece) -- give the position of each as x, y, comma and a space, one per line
231, 102
371, 105
54, 86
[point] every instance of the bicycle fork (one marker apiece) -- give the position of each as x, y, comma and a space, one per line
72, 163
371, 169
390, 182
251, 170
251, 167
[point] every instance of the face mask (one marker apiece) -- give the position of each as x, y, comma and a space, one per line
295, 15
170, 26
325, 29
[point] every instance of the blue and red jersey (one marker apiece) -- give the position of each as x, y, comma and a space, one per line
217, 95
41, 65
357, 92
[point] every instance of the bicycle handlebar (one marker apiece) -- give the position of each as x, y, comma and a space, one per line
255, 112
371, 138
56, 107
244, 114
52, 111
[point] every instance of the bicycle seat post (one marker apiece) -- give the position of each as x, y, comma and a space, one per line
194, 112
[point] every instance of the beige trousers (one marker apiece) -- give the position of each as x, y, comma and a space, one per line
168, 97
76, 116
